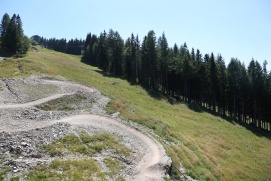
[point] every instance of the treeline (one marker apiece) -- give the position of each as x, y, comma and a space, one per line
73, 46
12, 36
243, 93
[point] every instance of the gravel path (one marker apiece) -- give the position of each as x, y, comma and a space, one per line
22, 123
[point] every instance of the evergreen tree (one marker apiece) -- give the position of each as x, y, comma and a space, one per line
128, 63
103, 60
185, 69
163, 52
222, 84
213, 81
137, 49
152, 59
3, 30
244, 93
12, 34
19, 34
234, 78
90, 50
144, 64
115, 52
201, 78
173, 73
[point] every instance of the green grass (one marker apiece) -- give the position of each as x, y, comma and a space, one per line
3, 169
85, 145
65, 103
69, 144
115, 167
113, 164
15, 178
3, 172
22, 67
209, 147
104, 141
80, 169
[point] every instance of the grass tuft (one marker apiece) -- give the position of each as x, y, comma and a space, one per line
15, 178
85, 145
115, 167
104, 141
3, 169
82, 169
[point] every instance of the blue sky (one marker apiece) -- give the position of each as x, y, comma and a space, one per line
234, 28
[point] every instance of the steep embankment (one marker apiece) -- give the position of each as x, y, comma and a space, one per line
209, 147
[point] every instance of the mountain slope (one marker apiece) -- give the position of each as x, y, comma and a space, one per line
209, 147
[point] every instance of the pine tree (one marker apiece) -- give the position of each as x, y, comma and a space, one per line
128, 63
152, 59
213, 81
234, 75
163, 52
115, 52
90, 50
244, 92
144, 64
137, 44
12, 34
3, 30
185, 69
222, 84
103, 60
201, 78
133, 59
173, 76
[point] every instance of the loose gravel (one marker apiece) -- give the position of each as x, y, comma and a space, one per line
24, 127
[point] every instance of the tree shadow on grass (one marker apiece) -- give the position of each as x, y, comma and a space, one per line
195, 107
154, 93
4, 54
255, 130
105, 74
109, 75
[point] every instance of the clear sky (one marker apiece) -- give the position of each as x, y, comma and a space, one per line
234, 28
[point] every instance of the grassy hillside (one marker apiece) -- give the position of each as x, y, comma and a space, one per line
209, 147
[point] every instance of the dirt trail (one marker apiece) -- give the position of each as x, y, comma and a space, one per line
153, 160
34, 103
153, 156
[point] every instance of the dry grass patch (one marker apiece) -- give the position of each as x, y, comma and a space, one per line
115, 106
